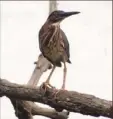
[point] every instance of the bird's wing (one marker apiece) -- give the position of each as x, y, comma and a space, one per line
66, 43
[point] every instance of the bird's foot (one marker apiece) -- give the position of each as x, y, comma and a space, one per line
46, 85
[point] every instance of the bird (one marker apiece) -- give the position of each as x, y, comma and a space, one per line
53, 42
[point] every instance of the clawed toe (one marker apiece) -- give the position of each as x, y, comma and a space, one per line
46, 85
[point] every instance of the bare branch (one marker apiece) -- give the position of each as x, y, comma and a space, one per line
69, 100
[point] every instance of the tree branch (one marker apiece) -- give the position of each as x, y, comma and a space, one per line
69, 100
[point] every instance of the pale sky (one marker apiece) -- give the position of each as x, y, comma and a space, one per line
90, 38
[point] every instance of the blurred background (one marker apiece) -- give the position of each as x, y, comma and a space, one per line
90, 38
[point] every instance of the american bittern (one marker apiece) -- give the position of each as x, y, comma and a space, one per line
53, 42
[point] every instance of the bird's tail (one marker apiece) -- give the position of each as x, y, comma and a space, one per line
69, 61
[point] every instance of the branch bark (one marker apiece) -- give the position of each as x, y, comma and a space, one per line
69, 100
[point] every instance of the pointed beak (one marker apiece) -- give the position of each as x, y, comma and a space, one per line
67, 14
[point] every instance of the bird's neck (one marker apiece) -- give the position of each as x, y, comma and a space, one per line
56, 24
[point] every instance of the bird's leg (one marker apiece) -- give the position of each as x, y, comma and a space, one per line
64, 80
48, 79
64, 76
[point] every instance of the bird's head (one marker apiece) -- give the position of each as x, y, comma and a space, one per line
58, 15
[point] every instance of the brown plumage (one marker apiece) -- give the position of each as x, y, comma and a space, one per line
53, 42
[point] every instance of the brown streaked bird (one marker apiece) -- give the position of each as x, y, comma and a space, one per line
53, 42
